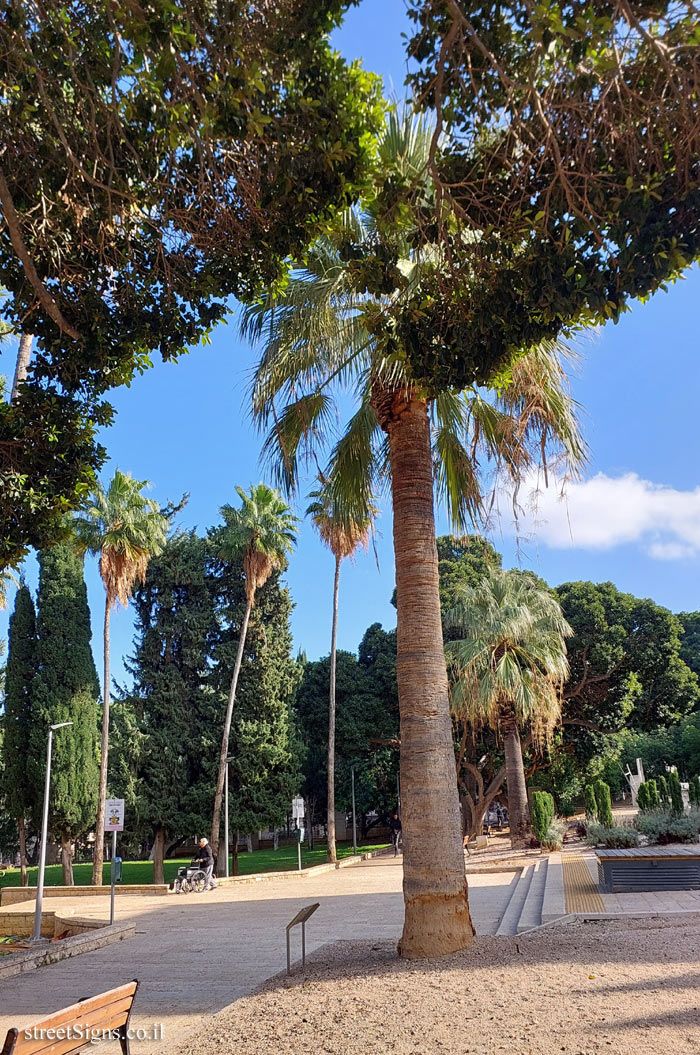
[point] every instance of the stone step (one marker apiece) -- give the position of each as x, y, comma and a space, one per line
511, 916
531, 915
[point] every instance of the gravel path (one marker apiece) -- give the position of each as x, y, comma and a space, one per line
631, 987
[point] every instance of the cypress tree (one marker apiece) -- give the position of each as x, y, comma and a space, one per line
643, 797
19, 791
590, 802
694, 791
664, 796
674, 788
66, 689
602, 797
653, 795
172, 701
265, 773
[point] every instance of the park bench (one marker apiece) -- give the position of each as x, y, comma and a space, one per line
646, 868
75, 1028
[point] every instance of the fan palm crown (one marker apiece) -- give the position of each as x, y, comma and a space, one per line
126, 529
511, 660
262, 532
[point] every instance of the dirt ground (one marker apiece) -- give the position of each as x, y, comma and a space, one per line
630, 987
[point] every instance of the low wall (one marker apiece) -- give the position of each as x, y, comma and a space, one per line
13, 895
86, 935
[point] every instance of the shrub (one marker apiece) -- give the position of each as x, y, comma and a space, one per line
589, 799
613, 838
665, 826
643, 798
554, 836
664, 798
541, 813
602, 798
674, 787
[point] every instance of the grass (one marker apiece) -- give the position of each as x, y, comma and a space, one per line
281, 860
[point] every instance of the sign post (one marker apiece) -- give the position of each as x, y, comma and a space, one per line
298, 818
114, 814
354, 821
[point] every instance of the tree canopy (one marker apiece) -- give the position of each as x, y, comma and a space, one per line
155, 160
565, 169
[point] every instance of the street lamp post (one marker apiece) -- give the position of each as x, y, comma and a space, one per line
230, 759
36, 936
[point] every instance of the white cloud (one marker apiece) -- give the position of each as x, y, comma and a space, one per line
607, 511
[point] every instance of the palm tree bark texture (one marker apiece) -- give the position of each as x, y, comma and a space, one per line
518, 809
437, 919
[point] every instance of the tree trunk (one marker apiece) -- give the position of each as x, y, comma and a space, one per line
223, 754
104, 756
24, 354
249, 843
331, 854
21, 831
159, 855
518, 809
234, 856
437, 919
67, 859
275, 839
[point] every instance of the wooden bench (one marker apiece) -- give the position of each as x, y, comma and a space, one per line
645, 868
76, 1027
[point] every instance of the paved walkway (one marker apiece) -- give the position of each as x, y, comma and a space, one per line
195, 954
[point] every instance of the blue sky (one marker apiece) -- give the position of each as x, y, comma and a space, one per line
634, 519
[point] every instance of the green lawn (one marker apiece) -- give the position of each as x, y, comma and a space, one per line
142, 871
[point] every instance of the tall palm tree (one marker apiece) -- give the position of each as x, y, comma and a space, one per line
343, 536
24, 354
262, 534
509, 666
126, 529
326, 331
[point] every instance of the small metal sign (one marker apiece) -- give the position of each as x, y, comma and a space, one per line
301, 917
297, 809
114, 815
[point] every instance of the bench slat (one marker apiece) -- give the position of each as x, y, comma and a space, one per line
108, 1011
96, 1020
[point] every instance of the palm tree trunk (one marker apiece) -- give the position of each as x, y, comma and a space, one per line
24, 353
159, 855
21, 831
437, 919
104, 756
67, 859
518, 809
331, 854
223, 755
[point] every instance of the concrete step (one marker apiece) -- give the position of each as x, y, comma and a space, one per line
511, 916
554, 903
531, 915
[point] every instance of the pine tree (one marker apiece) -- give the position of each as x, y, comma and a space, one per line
19, 791
66, 689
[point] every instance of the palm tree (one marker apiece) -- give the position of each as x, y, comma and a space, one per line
509, 667
24, 354
326, 330
7, 579
126, 529
343, 536
262, 534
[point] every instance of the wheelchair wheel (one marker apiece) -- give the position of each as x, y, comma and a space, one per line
197, 881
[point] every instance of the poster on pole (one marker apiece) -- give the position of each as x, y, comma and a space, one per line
114, 815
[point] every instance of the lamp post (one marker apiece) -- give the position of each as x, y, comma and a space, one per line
36, 936
229, 759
